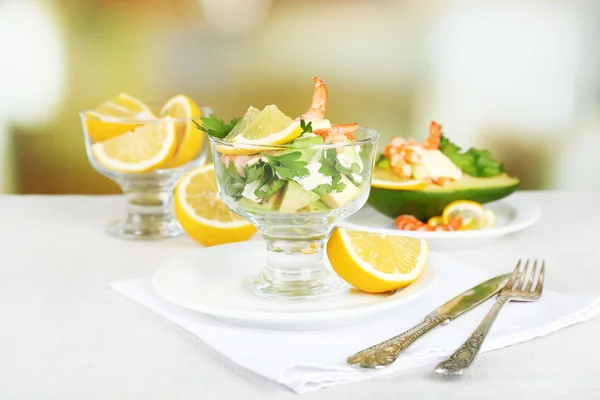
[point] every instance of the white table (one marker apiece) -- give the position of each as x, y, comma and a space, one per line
64, 334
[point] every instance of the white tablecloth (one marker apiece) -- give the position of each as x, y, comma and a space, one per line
64, 334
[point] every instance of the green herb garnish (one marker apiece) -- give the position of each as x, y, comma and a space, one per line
330, 166
306, 127
232, 182
287, 166
478, 163
215, 126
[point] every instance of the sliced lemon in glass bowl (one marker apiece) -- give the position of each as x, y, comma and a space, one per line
144, 149
107, 120
189, 139
376, 263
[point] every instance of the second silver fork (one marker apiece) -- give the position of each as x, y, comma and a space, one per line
518, 288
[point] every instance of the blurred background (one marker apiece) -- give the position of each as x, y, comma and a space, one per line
521, 78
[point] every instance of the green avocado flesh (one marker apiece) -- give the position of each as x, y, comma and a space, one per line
432, 200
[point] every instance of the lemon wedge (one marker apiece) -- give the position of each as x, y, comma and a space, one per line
472, 213
202, 214
386, 179
243, 124
189, 139
376, 263
144, 149
99, 127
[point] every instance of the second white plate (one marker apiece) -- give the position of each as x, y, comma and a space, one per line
513, 214
208, 280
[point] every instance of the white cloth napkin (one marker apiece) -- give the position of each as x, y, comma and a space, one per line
306, 361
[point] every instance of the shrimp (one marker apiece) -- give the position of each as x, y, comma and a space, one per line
336, 130
411, 223
337, 134
316, 111
442, 181
435, 135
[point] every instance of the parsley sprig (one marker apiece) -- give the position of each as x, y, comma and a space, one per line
215, 126
478, 163
288, 165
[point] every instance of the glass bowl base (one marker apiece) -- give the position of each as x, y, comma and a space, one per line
145, 229
330, 285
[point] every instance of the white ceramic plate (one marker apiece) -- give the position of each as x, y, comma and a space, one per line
513, 214
208, 280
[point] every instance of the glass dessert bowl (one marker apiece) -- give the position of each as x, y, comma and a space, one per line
145, 150
293, 180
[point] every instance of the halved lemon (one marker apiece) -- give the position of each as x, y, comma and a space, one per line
376, 263
269, 127
189, 139
100, 127
202, 214
472, 213
144, 149
386, 179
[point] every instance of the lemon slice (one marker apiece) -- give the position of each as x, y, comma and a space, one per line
376, 263
202, 214
121, 106
189, 139
490, 219
144, 149
472, 213
435, 221
246, 120
270, 126
386, 179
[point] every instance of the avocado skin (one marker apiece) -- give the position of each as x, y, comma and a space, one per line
425, 203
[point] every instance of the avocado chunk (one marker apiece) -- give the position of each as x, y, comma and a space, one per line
303, 145
383, 163
316, 206
296, 197
308, 141
338, 199
269, 203
349, 158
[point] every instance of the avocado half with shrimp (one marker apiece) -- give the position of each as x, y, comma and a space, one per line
480, 178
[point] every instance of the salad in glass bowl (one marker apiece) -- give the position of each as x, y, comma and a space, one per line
293, 179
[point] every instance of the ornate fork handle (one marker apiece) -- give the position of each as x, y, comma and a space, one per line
464, 356
385, 353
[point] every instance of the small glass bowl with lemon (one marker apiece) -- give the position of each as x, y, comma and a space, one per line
293, 179
145, 149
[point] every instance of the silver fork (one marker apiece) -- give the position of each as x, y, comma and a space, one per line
518, 288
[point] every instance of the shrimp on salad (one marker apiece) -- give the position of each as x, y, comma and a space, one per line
316, 112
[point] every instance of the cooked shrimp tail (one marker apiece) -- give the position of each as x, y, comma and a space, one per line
316, 111
335, 130
435, 136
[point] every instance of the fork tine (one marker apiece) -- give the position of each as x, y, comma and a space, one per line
513, 276
521, 276
529, 286
540, 282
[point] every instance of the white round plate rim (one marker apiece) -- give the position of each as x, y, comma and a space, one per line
292, 319
528, 213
